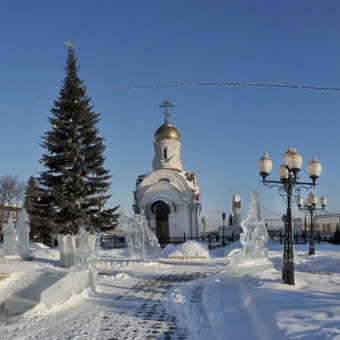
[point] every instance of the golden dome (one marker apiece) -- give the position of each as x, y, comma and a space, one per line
166, 131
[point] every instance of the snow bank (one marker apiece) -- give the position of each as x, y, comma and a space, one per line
110, 253
191, 248
34, 246
168, 249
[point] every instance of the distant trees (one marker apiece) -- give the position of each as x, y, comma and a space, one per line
39, 227
11, 193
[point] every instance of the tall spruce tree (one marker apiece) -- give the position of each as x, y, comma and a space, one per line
74, 183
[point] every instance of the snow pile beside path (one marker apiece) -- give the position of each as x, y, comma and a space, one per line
110, 253
34, 246
49, 255
191, 248
168, 249
184, 302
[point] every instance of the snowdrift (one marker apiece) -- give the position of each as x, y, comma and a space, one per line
190, 249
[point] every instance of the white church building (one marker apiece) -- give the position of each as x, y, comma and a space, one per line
169, 196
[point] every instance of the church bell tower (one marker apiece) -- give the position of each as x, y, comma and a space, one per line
167, 145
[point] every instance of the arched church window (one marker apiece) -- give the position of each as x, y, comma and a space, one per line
165, 153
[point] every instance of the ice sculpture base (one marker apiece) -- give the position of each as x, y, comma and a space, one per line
28, 297
238, 270
78, 249
72, 283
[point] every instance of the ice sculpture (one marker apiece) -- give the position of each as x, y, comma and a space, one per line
254, 255
79, 250
255, 235
72, 283
141, 241
28, 297
10, 246
86, 249
94, 239
65, 243
23, 232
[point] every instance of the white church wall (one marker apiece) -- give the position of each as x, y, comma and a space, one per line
182, 218
177, 179
162, 191
179, 223
173, 151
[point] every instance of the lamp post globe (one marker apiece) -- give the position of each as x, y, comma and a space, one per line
313, 199
299, 201
323, 201
294, 161
283, 172
286, 155
314, 169
264, 166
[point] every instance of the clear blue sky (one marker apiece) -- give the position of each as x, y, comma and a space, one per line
224, 130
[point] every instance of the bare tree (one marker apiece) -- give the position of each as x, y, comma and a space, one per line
11, 193
19, 196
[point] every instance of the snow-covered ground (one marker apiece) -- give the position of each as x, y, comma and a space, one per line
182, 298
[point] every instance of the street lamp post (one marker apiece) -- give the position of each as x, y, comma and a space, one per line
223, 219
305, 227
310, 207
289, 188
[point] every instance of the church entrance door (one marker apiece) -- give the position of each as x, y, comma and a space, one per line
162, 211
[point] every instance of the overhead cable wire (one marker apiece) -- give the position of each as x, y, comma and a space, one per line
217, 83
178, 85
21, 107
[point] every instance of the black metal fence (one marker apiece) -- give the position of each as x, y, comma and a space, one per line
112, 241
116, 241
212, 241
298, 238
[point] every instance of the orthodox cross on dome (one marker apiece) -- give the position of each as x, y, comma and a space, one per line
69, 44
166, 104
